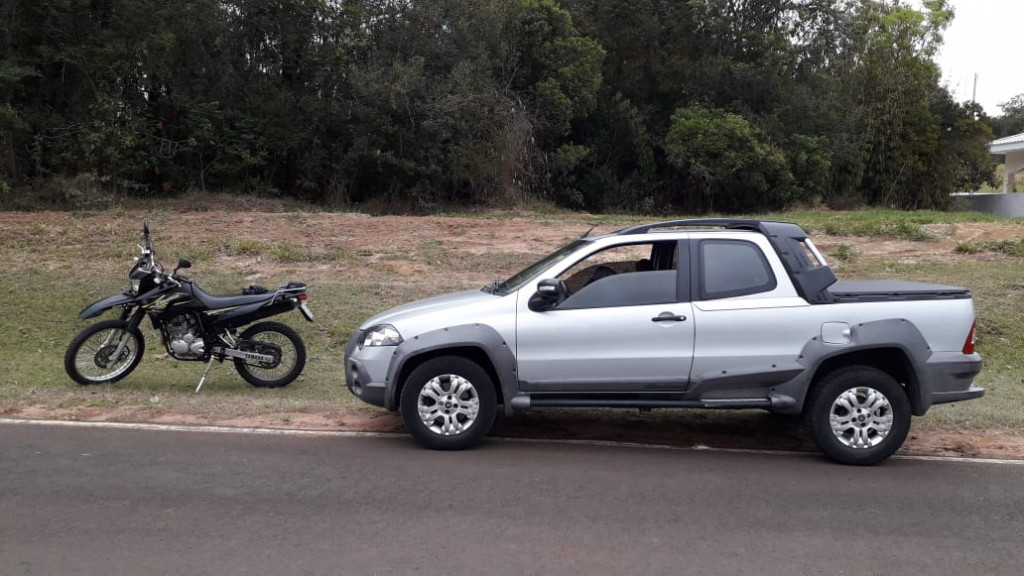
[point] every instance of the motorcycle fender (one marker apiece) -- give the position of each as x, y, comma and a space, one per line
101, 306
247, 314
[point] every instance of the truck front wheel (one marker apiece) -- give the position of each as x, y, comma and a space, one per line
858, 415
448, 403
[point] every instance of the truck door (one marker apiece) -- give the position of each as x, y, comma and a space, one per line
626, 325
752, 322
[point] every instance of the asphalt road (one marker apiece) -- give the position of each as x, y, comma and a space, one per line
90, 501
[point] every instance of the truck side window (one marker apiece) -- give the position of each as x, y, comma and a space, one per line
624, 275
636, 289
730, 268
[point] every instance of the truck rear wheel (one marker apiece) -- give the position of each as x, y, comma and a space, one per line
858, 415
448, 403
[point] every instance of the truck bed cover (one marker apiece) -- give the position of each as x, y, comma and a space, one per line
894, 290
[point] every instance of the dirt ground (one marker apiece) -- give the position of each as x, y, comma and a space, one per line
325, 233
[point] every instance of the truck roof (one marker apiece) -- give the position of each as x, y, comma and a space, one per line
766, 227
810, 275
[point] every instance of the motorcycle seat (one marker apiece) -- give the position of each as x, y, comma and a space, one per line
214, 302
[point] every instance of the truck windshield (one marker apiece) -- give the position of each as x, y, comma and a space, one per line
532, 270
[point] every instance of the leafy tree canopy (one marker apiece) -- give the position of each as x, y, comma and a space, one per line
644, 105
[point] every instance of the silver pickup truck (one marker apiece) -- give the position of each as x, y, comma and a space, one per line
712, 313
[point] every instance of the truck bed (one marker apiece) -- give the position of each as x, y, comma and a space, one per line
894, 290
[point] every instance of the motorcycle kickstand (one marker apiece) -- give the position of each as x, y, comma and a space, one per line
205, 372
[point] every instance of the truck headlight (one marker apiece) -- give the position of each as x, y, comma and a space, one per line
381, 335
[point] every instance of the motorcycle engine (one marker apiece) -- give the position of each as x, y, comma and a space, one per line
185, 336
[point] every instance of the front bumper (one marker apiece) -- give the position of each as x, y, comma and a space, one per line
366, 370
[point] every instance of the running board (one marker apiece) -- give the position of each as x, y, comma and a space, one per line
773, 402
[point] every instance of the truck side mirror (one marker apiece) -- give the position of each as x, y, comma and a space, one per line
549, 293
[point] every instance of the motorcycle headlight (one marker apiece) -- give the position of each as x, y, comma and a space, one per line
135, 279
381, 335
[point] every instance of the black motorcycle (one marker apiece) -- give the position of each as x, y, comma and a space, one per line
194, 326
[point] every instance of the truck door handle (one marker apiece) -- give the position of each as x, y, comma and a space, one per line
668, 317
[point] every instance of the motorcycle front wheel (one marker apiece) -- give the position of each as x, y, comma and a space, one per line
282, 344
104, 352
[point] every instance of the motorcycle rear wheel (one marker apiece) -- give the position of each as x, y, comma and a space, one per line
87, 357
288, 349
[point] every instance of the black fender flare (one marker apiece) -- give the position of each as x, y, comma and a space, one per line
479, 336
899, 334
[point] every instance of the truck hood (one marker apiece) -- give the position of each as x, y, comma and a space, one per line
409, 316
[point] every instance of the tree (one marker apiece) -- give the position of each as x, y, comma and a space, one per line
725, 161
411, 104
1011, 121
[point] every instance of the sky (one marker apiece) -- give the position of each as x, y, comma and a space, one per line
984, 40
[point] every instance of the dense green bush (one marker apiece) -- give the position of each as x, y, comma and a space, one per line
647, 105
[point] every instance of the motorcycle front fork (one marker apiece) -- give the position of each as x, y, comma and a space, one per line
133, 322
135, 318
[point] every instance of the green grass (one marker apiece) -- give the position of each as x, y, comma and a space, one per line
845, 253
286, 252
247, 248
1008, 247
905, 225
55, 267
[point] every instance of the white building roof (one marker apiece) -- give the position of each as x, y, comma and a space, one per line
1007, 144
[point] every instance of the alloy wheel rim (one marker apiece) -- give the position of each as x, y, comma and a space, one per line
861, 418
448, 404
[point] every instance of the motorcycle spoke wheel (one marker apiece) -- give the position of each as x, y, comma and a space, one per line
104, 352
287, 349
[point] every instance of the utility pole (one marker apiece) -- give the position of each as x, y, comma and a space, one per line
974, 92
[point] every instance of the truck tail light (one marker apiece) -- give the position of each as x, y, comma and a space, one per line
969, 343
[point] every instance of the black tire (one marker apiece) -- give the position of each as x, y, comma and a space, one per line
86, 356
467, 411
871, 410
289, 351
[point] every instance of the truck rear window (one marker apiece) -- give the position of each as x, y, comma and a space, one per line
731, 268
